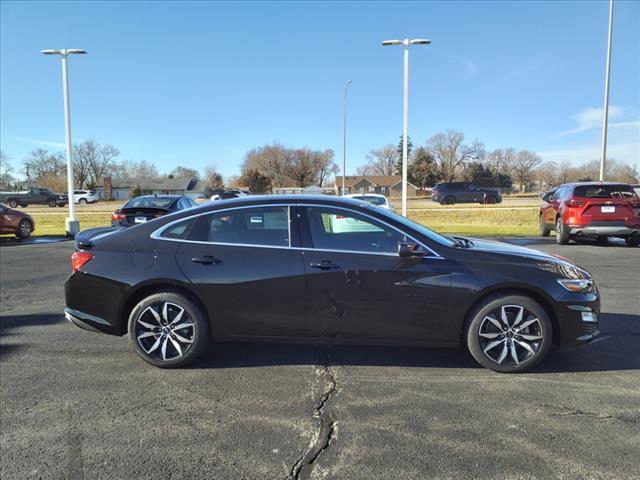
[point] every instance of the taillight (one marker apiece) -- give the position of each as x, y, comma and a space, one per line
79, 259
117, 216
572, 202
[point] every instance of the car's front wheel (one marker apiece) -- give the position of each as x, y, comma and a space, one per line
168, 330
509, 334
449, 201
82, 201
24, 229
51, 202
544, 230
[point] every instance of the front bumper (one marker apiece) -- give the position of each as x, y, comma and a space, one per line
579, 320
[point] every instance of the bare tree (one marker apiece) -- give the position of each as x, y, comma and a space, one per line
91, 162
523, 167
364, 170
383, 161
500, 160
184, 172
41, 166
451, 154
214, 180
324, 166
134, 169
6, 172
274, 161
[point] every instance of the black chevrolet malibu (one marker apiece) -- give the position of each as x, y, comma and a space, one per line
323, 269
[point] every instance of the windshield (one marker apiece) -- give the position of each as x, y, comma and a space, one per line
150, 202
372, 199
427, 232
604, 191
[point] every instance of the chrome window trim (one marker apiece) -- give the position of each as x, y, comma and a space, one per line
156, 234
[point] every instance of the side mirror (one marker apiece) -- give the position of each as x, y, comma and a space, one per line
410, 249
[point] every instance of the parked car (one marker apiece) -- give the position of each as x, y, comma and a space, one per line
591, 210
82, 197
270, 268
373, 198
231, 193
148, 207
15, 222
35, 196
636, 188
464, 192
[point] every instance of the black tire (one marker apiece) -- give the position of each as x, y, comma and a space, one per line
161, 341
82, 201
24, 205
482, 333
25, 228
562, 234
12, 203
51, 202
544, 230
632, 241
449, 201
490, 200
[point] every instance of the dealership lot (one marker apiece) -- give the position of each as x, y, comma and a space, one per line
82, 405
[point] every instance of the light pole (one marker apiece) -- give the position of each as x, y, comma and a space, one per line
405, 128
344, 137
72, 225
605, 113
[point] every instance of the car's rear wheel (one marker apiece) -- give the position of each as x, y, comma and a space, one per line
562, 234
490, 200
82, 201
544, 230
168, 330
632, 241
25, 228
509, 334
12, 203
449, 201
51, 202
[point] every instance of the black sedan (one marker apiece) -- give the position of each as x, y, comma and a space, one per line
145, 208
323, 269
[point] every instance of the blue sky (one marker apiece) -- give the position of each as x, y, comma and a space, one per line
198, 83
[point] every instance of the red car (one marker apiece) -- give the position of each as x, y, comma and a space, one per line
14, 222
591, 210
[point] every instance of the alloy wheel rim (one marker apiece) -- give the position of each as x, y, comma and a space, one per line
25, 228
558, 227
510, 335
165, 331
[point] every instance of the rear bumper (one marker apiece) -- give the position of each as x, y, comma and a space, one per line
613, 231
86, 321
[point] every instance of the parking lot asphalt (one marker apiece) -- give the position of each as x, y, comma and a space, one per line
78, 405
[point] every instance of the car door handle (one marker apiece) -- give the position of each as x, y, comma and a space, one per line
325, 265
205, 260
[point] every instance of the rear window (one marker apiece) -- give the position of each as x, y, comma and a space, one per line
372, 199
604, 191
150, 202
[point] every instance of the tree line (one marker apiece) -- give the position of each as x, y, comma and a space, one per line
444, 157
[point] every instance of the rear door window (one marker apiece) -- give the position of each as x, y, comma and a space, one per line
260, 226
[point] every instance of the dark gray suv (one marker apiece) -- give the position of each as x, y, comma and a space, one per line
464, 192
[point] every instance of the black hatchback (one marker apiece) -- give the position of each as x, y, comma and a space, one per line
147, 207
323, 269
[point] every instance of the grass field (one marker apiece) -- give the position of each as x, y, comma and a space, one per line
515, 218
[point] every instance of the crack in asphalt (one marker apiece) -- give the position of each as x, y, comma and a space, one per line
303, 467
568, 412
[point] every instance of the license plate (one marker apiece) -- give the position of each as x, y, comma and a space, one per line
608, 209
140, 219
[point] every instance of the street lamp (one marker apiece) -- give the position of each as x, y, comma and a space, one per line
344, 137
605, 112
405, 43
72, 225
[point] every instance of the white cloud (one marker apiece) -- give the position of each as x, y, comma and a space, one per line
591, 118
35, 141
628, 152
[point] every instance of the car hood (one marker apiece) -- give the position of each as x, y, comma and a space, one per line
504, 248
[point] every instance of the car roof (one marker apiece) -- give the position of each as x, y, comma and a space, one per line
157, 196
355, 195
276, 199
589, 184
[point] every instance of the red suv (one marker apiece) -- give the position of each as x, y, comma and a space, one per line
594, 209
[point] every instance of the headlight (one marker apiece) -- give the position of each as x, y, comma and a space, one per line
566, 270
582, 285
